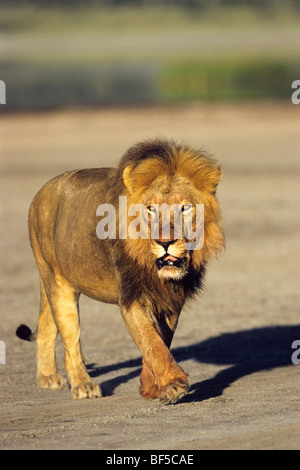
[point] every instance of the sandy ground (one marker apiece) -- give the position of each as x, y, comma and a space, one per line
234, 341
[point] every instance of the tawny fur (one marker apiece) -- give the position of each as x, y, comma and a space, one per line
72, 260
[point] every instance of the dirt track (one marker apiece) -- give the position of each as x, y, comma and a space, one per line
235, 341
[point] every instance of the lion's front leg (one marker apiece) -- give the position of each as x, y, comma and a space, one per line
149, 387
161, 376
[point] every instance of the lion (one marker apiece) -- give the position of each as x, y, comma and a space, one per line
149, 278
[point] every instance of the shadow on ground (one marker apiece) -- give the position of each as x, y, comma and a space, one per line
245, 352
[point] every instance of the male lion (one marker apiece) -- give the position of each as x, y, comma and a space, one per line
149, 278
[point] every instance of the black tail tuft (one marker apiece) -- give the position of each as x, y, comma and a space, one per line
24, 332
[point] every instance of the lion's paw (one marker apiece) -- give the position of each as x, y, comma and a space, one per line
174, 391
86, 390
150, 393
52, 382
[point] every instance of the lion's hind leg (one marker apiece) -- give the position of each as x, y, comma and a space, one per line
47, 374
63, 301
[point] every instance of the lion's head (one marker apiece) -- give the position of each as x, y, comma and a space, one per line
167, 187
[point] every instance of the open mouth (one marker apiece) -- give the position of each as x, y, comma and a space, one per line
170, 261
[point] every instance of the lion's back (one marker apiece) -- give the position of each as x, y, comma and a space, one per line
62, 226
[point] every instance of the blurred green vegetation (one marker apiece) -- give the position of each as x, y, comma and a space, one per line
57, 56
228, 80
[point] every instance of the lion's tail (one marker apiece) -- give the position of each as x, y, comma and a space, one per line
24, 332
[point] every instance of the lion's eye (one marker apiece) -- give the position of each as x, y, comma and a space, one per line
151, 210
186, 208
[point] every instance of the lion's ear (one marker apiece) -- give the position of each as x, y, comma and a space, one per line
138, 178
208, 176
128, 181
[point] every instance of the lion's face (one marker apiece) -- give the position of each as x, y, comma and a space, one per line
179, 219
170, 204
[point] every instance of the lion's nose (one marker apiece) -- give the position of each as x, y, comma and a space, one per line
165, 243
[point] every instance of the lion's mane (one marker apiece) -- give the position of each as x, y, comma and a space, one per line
147, 161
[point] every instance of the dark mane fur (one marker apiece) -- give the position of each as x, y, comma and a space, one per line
168, 295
